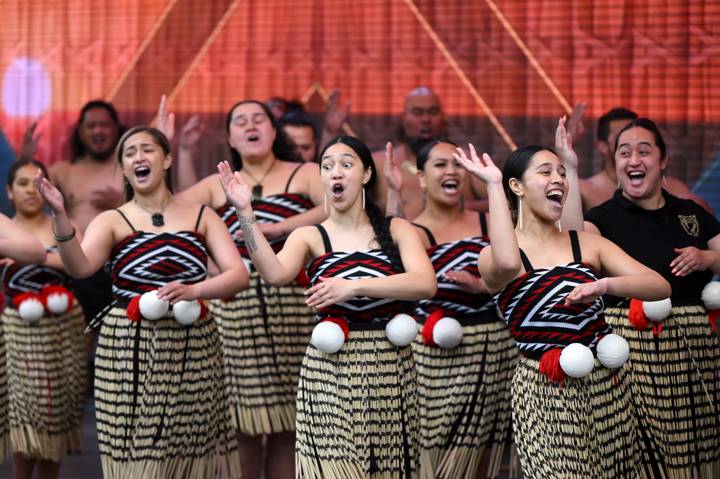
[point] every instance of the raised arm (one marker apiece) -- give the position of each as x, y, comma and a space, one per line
232, 277
83, 260
190, 135
572, 215
18, 244
417, 282
393, 180
274, 269
500, 262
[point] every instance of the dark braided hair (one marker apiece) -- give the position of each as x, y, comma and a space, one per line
380, 223
281, 147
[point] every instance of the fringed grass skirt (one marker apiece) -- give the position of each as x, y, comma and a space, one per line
675, 384
357, 411
46, 377
160, 402
4, 423
264, 331
584, 429
464, 401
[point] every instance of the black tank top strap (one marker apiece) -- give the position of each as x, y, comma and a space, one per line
126, 220
325, 238
525, 261
199, 217
429, 234
292, 175
483, 223
575, 243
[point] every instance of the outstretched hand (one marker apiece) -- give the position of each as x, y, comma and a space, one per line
190, 133
335, 115
29, 143
237, 191
564, 146
483, 168
391, 171
575, 124
50, 194
165, 122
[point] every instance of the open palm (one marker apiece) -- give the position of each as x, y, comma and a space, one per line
563, 144
482, 167
50, 194
237, 191
391, 170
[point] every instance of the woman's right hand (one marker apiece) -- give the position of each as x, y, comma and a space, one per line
391, 170
483, 168
237, 191
50, 194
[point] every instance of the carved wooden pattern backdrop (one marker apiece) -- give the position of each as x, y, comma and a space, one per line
521, 62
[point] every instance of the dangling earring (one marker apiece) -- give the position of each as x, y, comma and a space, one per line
664, 178
520, 214
325, 204
558, 225
363, 198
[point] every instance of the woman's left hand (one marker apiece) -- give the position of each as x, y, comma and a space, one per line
177, 291
689, 260
467, 281
586, 293
564, 146
329, 291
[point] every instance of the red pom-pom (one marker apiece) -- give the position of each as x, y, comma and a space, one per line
713, 316
302, 279
57, 289
133, 309
430, 322
550, 365
342, 323
636, 315
17, 300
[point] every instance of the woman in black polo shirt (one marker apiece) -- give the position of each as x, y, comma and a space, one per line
674, 362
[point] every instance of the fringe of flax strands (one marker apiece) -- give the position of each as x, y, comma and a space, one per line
160, 400
357, 411
675, 384
264, 332
47, 372
464, 402
4, 426
584, 428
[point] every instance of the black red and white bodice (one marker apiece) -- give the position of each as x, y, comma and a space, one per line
453, 300
18, 278
269, 209
533, 306
146, 261
371, 263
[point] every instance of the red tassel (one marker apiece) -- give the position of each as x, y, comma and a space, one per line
17, 300
430, 322
57, 289
133, 309
203, 310
550, 366
302, 278
657, 328
713, 316
636, 316
342, 323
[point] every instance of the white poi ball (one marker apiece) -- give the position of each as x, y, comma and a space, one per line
31, 310
187, 312
328, 337
711, 295
401, 330
657, 310
58, 303
577, 360
151, 307
613, 351
447, 333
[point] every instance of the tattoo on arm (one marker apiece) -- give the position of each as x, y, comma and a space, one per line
246, 223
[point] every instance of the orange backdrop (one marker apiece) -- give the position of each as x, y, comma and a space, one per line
505, 69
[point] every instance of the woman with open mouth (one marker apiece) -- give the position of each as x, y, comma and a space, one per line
570, 404
43, 328
675, 356
161, 406
463, 381
356, 401
264, 328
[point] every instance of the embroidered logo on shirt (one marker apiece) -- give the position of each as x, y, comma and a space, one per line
690, 224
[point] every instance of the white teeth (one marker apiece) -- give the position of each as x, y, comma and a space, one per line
636, 174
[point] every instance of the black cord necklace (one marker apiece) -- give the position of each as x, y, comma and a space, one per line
258, 187
157, 217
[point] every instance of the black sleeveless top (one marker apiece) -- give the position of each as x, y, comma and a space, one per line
533, 307
269, 209
146, 261
459, 255
351, 265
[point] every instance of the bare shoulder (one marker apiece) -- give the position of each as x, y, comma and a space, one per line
58, 170
399, 227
